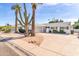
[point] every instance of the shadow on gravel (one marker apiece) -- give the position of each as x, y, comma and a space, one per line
10, 38
5, 39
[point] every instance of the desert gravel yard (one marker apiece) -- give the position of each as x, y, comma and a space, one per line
60, 44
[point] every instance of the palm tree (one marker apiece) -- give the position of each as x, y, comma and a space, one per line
25, 23
26, 20
34, 5
16, 8
33, 18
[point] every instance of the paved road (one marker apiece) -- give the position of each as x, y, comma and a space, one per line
6, 51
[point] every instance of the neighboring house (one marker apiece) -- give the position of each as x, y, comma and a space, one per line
65, 26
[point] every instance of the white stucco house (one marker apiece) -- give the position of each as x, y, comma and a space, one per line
65, 26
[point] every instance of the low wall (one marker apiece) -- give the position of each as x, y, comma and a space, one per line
76, 30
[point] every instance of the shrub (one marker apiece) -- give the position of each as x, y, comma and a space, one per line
3, 28
21, 30
76, 27
7, 31
0, 28
55, 31
62, 31
72, 32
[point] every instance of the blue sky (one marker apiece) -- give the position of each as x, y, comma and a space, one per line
65, 11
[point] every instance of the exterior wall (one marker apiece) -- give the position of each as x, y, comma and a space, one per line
38, 29
58, 28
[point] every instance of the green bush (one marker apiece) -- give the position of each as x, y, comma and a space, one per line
76, 27
3, 28
0, 28
61, 31
55, 31
7, 31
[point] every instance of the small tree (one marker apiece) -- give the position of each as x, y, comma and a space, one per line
61, 20
76, 25
55, 20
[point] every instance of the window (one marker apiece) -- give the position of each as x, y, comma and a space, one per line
67, 27
52, 27
61, 28
56, 27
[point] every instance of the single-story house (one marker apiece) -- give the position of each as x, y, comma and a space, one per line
50, 27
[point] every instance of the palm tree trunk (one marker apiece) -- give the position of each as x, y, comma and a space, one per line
33, 22
16, 22
26, 21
